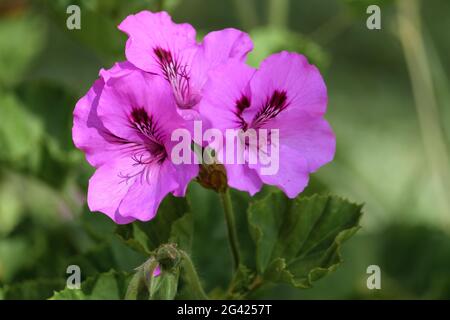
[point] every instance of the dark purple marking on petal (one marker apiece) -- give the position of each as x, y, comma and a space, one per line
271, 108
241, 104
140, 117
144, 124
149, 151
164, 56
177, 75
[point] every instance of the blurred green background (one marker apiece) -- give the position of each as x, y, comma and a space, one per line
389, 104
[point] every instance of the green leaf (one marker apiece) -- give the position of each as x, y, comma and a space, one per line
241, 282
20, 133
21, 40
173, 223
111, 285
65, 62
182, 231
31, 289
298, 241
11, 207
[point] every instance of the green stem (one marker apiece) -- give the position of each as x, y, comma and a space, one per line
278, 13
428, 111
192, 277
231, 226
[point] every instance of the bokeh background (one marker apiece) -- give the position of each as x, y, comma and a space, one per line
389, 104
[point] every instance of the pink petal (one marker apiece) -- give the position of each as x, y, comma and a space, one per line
217, 48
137, 90
119, 69
311, 136
243, 178
88, 132
184, 174
107, 187
147, 30
144, 196
290, 72
292, 176
226, 85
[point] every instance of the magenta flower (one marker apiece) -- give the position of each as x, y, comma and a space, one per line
285, 93
124, 124
159, 46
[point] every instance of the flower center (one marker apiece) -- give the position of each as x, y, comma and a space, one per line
177, 75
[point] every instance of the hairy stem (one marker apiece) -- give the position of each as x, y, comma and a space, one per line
192, 277
231, 226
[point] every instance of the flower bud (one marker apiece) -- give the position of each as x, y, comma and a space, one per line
168, 256
213, 177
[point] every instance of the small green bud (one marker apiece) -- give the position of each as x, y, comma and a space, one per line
168, 256
213, 176
165, 286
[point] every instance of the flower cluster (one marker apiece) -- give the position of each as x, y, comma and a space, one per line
124, 124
